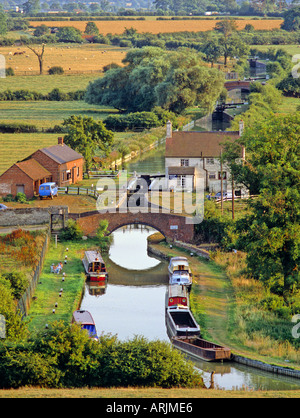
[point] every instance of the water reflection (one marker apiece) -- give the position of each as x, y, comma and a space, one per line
134, 300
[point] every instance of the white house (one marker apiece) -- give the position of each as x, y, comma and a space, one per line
190, 154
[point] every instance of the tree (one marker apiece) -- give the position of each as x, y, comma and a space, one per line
3, 23
153, 77
85, 135
91, 29
291, 19
271, 233
69, 34
40, 56
32, 7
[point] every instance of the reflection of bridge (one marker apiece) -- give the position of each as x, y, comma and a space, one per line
237, 84
173, 227
156, 275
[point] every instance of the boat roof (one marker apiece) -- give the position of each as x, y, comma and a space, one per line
179, 260
177, 290
93, 256
83, 316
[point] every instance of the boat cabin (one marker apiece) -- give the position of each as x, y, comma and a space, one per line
94, 266
177, 295
180, 272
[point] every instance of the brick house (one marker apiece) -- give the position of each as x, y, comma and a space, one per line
58, 163
65, 164
190, 154
24, 177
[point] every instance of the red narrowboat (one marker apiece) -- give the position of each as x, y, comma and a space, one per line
94, 266
177, 295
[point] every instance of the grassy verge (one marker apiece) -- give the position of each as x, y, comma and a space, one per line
47, 291
133, 392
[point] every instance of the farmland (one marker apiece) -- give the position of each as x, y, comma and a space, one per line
73, 58
157, 26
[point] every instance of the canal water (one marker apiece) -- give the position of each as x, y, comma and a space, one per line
133, 303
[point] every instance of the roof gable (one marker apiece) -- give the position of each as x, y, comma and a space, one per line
33, 169
193, 144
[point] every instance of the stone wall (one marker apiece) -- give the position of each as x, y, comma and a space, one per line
29, 216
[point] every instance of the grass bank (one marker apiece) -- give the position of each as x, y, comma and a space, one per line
48, 288
134, 393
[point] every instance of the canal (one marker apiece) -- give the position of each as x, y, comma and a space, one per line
133, 303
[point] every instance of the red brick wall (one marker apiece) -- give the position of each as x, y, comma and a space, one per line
13, 177
160, 221
47, 163
58, 169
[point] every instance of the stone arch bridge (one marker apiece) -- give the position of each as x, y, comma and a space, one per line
173, 227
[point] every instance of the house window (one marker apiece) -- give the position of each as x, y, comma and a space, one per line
211, 176
20, 188
224, 175
184, 162
77, 171
210, 161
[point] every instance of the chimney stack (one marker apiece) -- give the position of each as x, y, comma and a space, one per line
241, 127
60, 140
169, 129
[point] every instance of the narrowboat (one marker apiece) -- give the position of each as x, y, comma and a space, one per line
180, 322
94, 266
180, 272
177, 295
201, 349
87, 322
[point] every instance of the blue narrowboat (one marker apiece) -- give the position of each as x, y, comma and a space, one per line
87, 322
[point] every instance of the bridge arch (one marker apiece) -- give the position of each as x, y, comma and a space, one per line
173, 227
242, 85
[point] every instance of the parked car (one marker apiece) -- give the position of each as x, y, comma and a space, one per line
48, 190
2, 207
218, 195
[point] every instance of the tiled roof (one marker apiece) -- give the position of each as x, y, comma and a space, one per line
61, 153
182, 170
33, 169
197, 144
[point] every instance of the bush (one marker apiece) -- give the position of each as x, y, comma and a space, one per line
8, 198
56, 70
57, 96
9, 72
72, 231
18, 281
21, 197
65, 356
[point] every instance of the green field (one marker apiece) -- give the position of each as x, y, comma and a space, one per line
291, 49
15, 147
46, 114
45, 83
